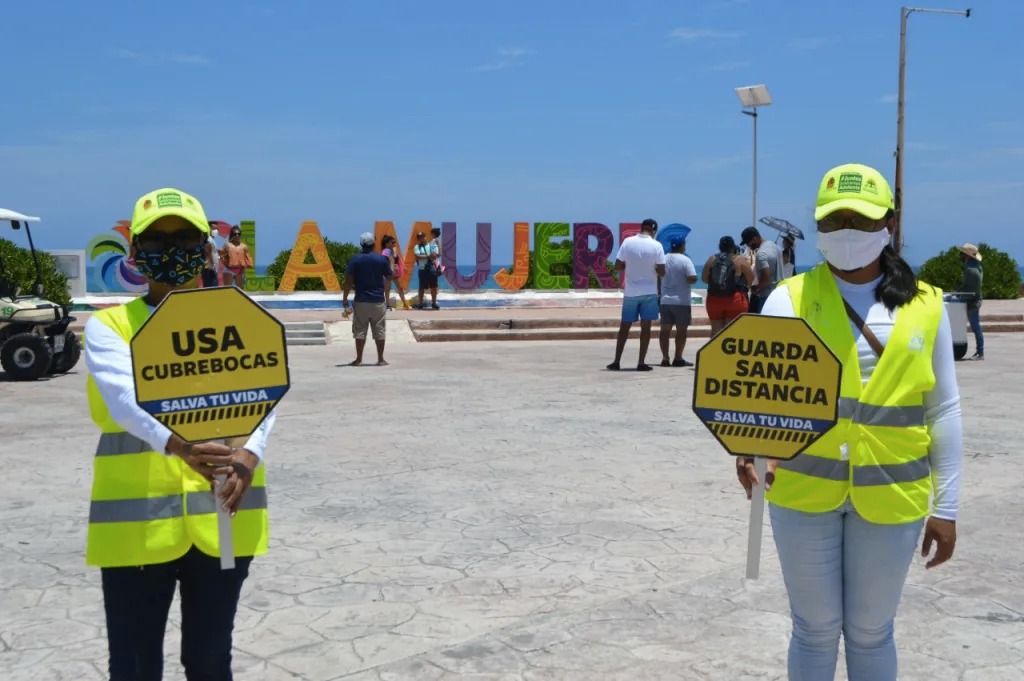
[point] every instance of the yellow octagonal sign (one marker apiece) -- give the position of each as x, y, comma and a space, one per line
210, 363
767, 386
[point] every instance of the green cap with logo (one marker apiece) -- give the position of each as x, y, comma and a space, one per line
167, 201
855, 187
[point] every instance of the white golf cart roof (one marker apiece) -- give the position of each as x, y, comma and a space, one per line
11, 215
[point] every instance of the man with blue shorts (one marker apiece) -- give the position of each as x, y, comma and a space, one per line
641, 261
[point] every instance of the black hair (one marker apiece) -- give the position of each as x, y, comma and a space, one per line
387, 238
899, 283
727, 245
436, 231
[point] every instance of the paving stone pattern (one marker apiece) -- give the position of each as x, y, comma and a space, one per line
502, 512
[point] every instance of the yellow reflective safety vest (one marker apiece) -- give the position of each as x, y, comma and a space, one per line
877, 453
148, 507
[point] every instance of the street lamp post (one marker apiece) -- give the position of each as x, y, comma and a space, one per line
752, 97
904, 13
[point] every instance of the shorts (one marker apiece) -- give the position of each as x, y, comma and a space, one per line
369, 315
209, 278
727, 308
680, 315
427, 279
644, 308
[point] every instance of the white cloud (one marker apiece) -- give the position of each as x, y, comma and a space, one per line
690, 33
729, 65
183, 58
509, 56
813, 43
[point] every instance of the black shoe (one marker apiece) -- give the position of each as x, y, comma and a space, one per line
644, 367
614, 366
681, 363
977, 357
666, 363
435, 306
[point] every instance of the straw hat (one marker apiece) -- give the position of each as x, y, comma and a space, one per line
970, 250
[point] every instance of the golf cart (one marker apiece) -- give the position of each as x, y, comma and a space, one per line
34, 336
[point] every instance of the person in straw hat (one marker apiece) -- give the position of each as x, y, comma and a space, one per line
973, 274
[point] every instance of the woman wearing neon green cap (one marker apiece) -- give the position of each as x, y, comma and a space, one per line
847, 513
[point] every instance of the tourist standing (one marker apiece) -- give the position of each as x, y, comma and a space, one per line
768, 270
674, 293
368, 273
641, 259
728, 276
427, 269
389, 249
973, 277
236, 258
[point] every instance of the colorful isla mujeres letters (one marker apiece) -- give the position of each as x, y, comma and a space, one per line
592, 247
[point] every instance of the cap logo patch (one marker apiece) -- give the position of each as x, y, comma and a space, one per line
850, 183
168, 200
147, 204
870, 186
831, 183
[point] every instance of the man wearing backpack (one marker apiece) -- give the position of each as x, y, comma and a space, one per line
728, 276
767, 267
641, 259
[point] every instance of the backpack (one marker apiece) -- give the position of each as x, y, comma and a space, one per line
723, 276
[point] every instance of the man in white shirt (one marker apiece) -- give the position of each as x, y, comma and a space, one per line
674, 288
641, 260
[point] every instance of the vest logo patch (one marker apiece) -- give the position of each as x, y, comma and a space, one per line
916, 341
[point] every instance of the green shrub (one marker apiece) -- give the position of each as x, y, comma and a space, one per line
1001, 279
21, 271
338, 252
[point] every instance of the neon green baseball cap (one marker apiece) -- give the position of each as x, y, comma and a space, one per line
167, 201
854, 187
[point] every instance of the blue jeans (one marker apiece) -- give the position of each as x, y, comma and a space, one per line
843, 575
137, 600
974, 319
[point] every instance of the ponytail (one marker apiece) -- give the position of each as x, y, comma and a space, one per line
899, 284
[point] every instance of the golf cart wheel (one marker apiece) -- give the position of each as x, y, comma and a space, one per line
959, 350
26, 357
68, 357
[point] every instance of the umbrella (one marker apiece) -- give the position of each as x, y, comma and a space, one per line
785, 226
665, 234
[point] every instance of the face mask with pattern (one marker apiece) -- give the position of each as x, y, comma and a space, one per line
174, 267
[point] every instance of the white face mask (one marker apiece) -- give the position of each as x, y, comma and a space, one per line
852, 249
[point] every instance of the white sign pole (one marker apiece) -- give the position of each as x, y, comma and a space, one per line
756, 519
225, 540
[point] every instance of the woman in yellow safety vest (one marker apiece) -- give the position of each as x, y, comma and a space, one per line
848, 512
152, 517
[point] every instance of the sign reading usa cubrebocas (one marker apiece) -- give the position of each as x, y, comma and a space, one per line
210, 364
767, 386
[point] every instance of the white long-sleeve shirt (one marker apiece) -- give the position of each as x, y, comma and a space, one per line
109, 360
941, 404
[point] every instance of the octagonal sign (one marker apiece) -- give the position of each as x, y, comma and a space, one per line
210, 363
767, 386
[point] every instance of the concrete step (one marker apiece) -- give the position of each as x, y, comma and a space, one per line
522, 324
548, 334
322, 340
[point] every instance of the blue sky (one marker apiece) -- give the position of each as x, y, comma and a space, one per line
597, 111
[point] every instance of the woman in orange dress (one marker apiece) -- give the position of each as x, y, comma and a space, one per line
236, 258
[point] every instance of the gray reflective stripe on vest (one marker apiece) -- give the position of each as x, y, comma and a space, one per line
203, 502
863, 476
891, 474
111, 444
873, 415
171, 506
818, 467
135, 510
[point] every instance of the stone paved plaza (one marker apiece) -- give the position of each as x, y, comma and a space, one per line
501, 511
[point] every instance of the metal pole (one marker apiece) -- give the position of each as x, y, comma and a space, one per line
900, 102
754, 220
898, 231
